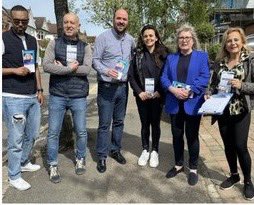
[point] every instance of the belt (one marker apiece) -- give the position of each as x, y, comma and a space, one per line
112, 83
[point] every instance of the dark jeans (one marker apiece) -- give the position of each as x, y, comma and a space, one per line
180, 122
234, 131
150, 114
112, 101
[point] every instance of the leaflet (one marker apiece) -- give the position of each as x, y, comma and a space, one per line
216, 104
177, 84
122, 67
149, 85
29, 59
224, 85
71, 53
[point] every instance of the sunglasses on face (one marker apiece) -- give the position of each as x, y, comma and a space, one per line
22, 21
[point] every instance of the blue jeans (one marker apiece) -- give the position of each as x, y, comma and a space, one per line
112, 101
22, 117
57, 109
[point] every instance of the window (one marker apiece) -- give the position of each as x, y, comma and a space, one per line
40, 35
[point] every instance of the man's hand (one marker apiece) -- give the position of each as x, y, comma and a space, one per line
21, 71
112, 73
58, 63
74, 65
40, 98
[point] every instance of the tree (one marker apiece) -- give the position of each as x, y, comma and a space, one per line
205, 32
161, 13
61, 8
67, 135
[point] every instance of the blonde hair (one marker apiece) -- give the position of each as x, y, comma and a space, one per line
223, 51
189, 28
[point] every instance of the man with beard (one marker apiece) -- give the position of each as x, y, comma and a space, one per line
22, 97
111, 57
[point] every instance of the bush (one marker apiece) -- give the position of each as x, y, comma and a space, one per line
213, 50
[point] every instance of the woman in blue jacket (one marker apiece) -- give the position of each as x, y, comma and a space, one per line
185, 78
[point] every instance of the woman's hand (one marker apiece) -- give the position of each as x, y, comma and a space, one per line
156, 94
144, 96
180, 93
206, 97
236, 83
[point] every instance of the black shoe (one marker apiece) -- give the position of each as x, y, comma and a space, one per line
230, 182
101, 165
192, 178
118, 157
173, 172
248, 191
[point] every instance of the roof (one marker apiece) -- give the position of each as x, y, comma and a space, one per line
39, 22
52, 28
235, 11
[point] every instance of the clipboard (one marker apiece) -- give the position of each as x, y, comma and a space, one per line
216, 104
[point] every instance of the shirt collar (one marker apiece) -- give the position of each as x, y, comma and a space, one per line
122, 37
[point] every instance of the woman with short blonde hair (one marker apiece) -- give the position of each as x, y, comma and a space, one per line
187, 27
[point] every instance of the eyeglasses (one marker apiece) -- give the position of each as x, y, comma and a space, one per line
22, 21
187, 38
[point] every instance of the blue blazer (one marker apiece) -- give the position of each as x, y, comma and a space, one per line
197, 77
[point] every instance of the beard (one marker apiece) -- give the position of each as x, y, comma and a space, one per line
120, 29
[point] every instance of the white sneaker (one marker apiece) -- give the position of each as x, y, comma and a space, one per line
29, 167
154, 159
143, 159
20, 184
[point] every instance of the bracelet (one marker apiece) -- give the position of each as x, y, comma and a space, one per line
40, 90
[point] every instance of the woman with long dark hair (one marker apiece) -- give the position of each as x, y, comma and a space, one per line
144, 78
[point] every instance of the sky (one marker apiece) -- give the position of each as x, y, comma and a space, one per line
45, 8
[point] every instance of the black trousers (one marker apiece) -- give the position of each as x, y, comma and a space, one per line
150, 115
181, 122
234, 131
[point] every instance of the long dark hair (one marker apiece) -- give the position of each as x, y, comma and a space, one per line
160, 51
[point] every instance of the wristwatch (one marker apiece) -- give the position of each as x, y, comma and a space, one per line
40, 90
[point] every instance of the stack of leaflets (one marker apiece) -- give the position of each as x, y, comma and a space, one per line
177, 84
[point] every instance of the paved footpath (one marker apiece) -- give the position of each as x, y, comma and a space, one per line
130, 183
212, 151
